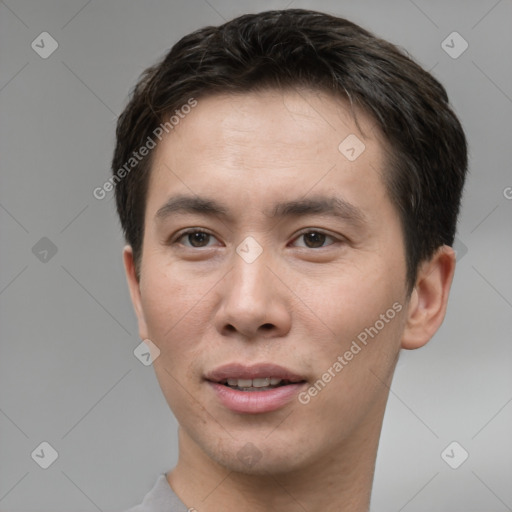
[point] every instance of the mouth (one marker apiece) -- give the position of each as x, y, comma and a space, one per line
254, 389
259, 384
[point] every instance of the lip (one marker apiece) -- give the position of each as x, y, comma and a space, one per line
253, 402
257, 371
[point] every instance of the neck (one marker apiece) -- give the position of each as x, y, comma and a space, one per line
340, 480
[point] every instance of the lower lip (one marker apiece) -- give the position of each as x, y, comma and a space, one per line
256, 401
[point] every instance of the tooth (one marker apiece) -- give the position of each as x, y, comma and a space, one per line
260, 383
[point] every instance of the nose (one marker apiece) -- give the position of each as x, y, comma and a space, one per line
254, 303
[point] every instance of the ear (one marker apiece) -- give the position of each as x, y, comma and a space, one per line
429, 298
134, 286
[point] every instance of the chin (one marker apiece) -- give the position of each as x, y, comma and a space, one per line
248, 456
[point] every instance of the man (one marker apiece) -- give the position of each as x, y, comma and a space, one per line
288, 185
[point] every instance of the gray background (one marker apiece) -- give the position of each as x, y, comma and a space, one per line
68, 375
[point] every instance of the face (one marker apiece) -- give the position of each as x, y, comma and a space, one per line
271, 250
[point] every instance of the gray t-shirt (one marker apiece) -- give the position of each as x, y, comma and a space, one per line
160, 499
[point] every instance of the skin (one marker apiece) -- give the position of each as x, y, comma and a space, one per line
300, 304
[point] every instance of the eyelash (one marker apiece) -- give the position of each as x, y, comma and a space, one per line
302, 233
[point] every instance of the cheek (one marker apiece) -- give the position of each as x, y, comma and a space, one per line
174, 306
353, 374
364, 314
176, 313
349, 300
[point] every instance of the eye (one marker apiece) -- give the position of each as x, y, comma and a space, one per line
196, 238
314, 239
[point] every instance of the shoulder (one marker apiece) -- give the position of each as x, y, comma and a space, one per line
161, 498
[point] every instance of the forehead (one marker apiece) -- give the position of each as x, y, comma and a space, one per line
274, 142
273, 118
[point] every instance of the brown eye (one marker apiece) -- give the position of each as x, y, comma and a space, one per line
314, 239
198, 239
195, 238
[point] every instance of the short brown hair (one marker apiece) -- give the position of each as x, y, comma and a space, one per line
427, 158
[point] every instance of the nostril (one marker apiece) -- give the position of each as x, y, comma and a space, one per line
267, 326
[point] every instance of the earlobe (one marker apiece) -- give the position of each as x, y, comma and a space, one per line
429, 299
134, 287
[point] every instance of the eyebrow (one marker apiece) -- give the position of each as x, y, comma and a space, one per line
191, 204
316, 205
320, 205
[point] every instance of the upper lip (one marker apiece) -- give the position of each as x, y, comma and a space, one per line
257, 371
